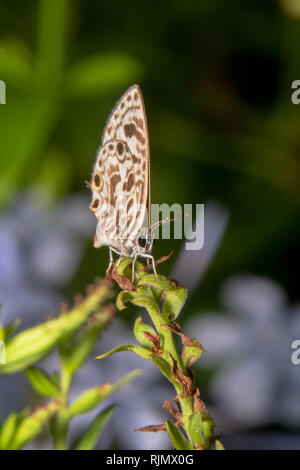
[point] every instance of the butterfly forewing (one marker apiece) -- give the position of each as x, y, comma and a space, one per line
120, 180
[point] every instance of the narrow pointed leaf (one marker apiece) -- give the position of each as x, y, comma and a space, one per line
177, 437
201, 429
8, 429
32, 424
145, 353
92, 434
42, 383
94, 396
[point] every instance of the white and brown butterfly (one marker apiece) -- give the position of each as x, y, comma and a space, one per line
121, 182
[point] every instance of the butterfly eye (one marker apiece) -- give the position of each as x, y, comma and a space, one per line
142, 242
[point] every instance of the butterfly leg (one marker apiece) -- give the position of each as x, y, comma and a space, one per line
111, 259
153, 262
119, 260
133, 268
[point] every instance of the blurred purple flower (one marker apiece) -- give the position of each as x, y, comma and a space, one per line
256, 382
40, 249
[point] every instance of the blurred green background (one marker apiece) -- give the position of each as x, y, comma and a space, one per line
216, 79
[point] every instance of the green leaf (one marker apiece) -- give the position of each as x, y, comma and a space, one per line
7, 430
160, 281
201, 429
32, 424
145, 353
2, 333
91, 435
123, 297
148, 302
191, 354
88, 400
100, 74
31, 345
139, 329
177, 437
94, 396
173, 303
42, 383
219, 445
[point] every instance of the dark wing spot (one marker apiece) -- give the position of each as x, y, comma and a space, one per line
128, 98
109, 129
129, 204
122, 105
130, 182
116, 115
120, 148
114, 180
118, 222
136, 159
136, 96
130, 130
111, 147
129, 220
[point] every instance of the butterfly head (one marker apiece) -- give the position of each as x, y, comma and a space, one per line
146, 243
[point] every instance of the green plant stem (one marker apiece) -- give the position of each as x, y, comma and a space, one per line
170, 348
62, 420
163, 299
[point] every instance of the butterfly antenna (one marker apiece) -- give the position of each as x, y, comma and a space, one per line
166, 221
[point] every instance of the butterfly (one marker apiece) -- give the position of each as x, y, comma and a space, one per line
121, 183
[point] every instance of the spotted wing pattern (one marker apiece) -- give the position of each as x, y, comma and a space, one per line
120, 180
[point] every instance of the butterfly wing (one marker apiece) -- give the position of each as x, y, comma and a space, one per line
128, 122
120, 180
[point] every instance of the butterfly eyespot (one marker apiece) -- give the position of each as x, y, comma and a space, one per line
97, 181
94, 205
142, 242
